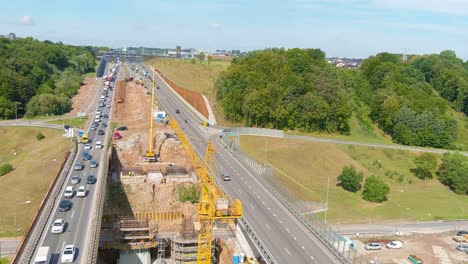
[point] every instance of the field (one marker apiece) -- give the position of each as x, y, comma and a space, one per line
197, 77
77, 122
410, 197
35, 164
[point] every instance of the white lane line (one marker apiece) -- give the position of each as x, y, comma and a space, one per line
63, 245
287, 229
268, 226
251, 205
288, 251
72, 214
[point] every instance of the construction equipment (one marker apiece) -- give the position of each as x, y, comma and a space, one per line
214, 204
150, 154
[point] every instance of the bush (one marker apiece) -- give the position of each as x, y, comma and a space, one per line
453, 172
5, 168
40, 136
350, 179
426, 165
375, 190
188, 193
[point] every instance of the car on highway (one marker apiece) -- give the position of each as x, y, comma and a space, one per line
177, 111
373, 246
104, 125
91, 179
462, 233
105, 116
395, 245
81, 192
65, 205
122, 128
101, 132
225, 177
58, 226
75, 179
101, 105
78, 166
463, 247
99, 145
68, 192
108, 105
93, 164
93, 128
87, 146
68, 254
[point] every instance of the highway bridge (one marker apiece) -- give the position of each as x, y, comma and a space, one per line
286, 237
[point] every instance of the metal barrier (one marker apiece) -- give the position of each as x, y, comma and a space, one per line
266, 254
342, 248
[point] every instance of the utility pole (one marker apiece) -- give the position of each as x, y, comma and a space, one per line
326, 202
14, 214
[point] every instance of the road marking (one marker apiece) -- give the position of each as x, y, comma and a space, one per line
287, 229
63, 245
303, 247
288, 251
268, 226
281, 222
72, 214
251, 205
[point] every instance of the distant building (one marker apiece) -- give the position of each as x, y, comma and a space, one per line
181, 53
11, 36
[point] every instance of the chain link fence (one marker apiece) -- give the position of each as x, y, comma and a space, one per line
342, 247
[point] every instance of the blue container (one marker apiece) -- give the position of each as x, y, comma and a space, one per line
80, 133
235, 259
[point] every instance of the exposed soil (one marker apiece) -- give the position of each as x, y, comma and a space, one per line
85, 95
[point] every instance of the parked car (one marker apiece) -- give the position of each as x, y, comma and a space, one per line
93, 164
395, 244
75, 179
81, 192
68, 254
65, 205
58, 226
87, 146
122, 128
463, 247
68, 192
373, 246
225, 177
91, 179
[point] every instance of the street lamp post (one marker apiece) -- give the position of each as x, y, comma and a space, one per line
326, 201
14, 214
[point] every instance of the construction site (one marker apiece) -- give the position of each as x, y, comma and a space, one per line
162, 204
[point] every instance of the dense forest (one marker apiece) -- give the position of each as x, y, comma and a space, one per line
297, 89
39, 78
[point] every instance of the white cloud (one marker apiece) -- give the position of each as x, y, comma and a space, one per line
216, 26
454, 7
26, 20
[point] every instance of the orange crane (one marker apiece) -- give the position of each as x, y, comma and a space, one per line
214, 205
150, 154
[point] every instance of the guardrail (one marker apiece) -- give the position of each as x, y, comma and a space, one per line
30, 241
255, 238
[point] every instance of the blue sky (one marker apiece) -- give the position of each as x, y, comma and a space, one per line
352, 28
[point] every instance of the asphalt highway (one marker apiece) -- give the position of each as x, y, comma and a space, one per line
287, 239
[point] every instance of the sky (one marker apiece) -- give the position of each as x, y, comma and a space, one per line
344, 28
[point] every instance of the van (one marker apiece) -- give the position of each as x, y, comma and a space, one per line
68, 192
42, 256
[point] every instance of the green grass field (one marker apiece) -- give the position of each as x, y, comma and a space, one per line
35, 164
410, 197
197, 77
77, 122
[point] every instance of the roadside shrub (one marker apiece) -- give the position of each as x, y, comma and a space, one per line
350, 179
5, 168
375, 190
453, 172
40, 136
188, 193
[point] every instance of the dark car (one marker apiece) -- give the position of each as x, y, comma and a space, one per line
104, 125
91, 179
105, 116
66, 126
65, 205
177, 111
100, 132
462, 233
122, 128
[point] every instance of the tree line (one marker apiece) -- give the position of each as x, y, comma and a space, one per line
298, 89
40, 77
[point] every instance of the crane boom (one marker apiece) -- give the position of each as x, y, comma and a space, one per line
150, 154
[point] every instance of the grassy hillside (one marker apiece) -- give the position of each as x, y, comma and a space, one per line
35, 165
197, 77
410, 198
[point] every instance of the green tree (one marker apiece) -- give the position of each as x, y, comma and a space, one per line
453, 172
201, 56
40, 136
350, 179
375, 190
192, 61
5, 168
7, 108
426, 165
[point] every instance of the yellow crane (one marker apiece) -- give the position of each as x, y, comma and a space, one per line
150, 154
214, 204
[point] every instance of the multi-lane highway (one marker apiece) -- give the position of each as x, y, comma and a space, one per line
287, 239
78, 218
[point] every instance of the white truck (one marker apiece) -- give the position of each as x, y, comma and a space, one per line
42, 256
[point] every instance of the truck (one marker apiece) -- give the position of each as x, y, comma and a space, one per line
86, 155
117, 135
84, 139
42, 256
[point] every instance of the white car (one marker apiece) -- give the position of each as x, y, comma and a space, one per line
68, 254
68, 192
98, 145
395, 244
373, 246
87, 146
58, 226
81, 192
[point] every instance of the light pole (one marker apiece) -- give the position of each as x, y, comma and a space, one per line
326, 201
266, 149
14, 214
